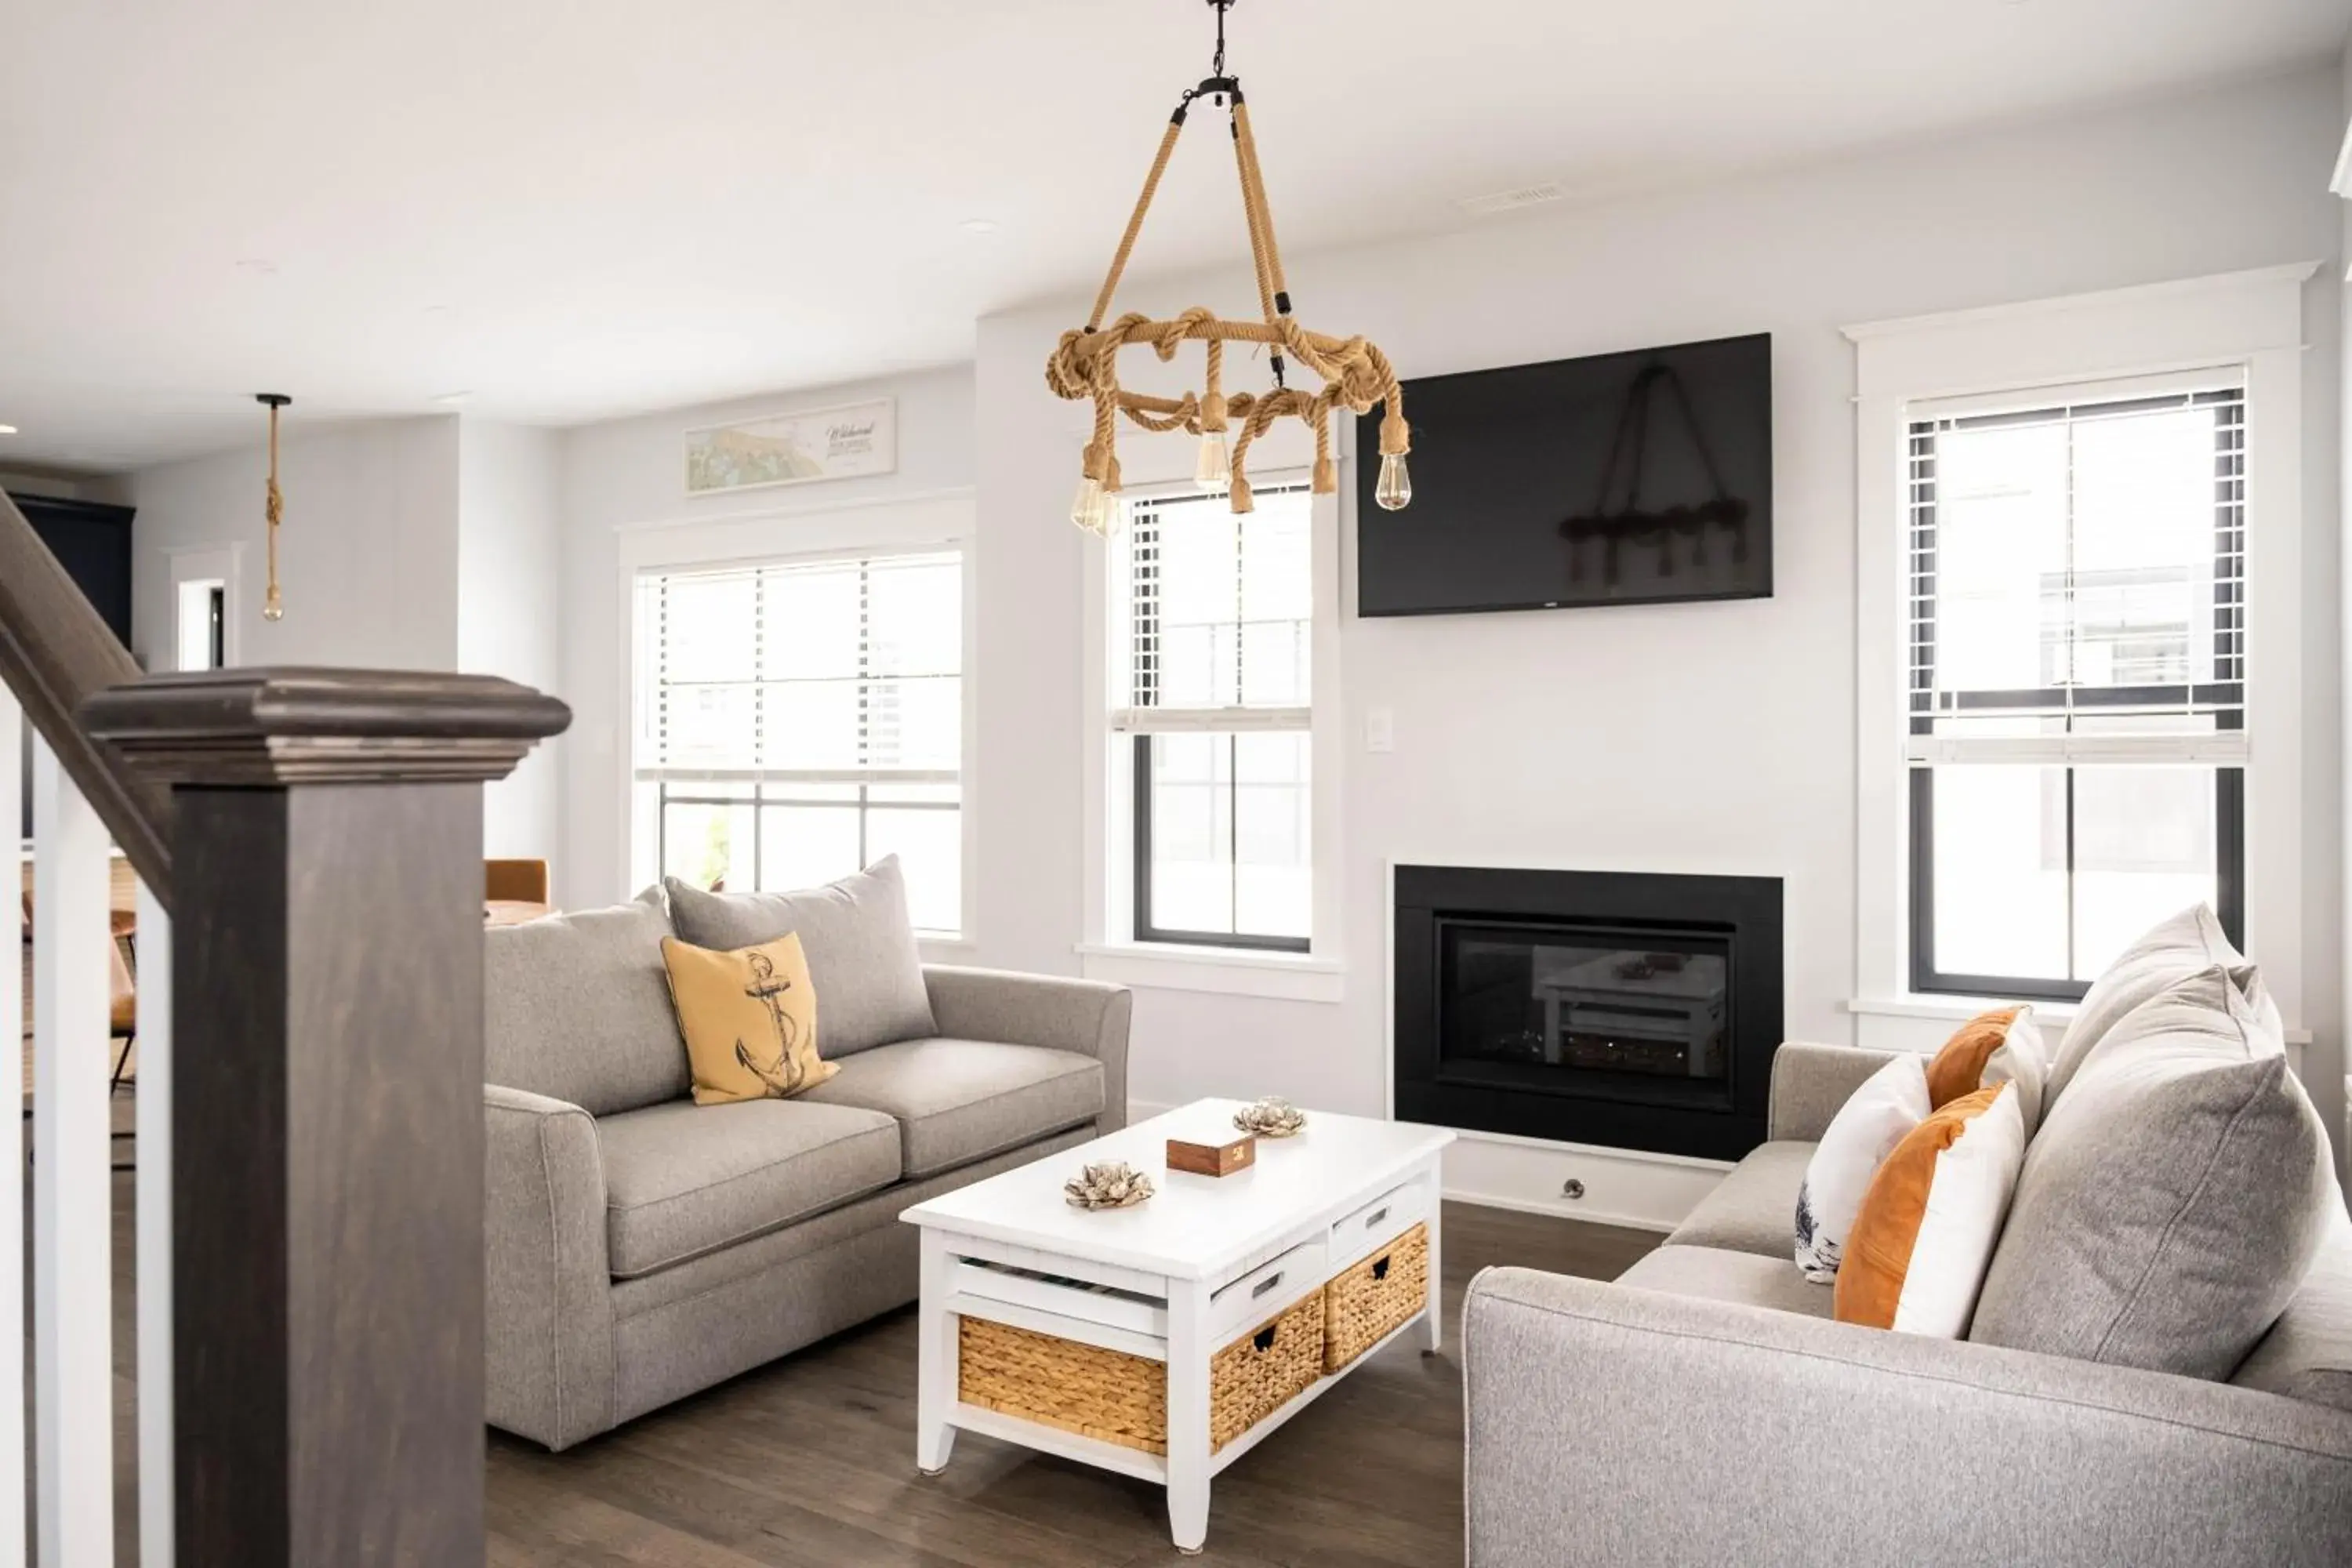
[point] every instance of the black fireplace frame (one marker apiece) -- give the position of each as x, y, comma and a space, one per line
1610, 1110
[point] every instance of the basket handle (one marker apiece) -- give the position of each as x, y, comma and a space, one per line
1263, 1338
1381, 1269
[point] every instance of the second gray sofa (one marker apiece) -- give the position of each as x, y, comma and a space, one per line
642, 1247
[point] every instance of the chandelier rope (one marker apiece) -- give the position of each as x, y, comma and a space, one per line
1355, 373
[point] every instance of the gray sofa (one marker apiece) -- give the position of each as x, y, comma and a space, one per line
1704, 1409
642, 1247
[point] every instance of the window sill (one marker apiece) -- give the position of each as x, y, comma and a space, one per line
1165, 967
1959, 1009
1947, 1004
945, 948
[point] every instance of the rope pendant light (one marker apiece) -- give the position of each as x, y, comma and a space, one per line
273, 606
1355, 375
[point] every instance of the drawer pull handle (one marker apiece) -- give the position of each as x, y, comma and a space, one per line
1375, 1218
1261, 1287
1263, 1338
1381, 1269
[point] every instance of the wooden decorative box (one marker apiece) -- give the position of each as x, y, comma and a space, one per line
1236, 1153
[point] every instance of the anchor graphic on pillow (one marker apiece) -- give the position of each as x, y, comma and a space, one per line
783, 1076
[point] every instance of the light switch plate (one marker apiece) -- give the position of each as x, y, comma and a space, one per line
1379, 730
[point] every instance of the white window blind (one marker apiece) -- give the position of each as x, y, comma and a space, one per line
834, 671
1220, 615
2077, 587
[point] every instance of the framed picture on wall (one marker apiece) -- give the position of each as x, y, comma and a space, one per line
856, 440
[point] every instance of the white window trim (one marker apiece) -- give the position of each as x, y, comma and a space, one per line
2252, 321
1109, 951
894, 526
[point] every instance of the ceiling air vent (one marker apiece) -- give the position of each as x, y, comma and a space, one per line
1512, 200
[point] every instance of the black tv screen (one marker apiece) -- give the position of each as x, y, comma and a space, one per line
1624, 478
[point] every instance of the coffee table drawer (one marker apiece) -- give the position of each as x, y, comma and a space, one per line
1383, 1219
1267, 1290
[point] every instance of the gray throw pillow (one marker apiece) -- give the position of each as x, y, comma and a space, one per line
2175, 1198
2188, 944
860, 945
578, 1008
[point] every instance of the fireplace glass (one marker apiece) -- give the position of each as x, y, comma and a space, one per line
1578, 999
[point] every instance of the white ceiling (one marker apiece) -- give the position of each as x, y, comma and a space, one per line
573, 209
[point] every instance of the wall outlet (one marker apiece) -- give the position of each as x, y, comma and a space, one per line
1379, 730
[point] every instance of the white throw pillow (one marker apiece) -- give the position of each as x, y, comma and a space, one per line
1927, 1228
1867, 1127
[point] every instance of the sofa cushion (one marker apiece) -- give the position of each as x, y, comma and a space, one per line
1716, 1274
2307, 1354
577, 1008
961, 1100
2174, 1198
862, 959
1917, 1258
1754, 1208
682, 1179
2186, 945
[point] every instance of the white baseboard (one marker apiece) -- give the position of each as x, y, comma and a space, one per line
1560, 1208
1621, 1187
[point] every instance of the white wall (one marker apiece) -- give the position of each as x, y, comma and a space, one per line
509, 587
630, 474
367, 556
1700, 738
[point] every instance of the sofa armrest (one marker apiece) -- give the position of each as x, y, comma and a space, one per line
1810, 1083
1610, 1425
549, 1319
1082, 1015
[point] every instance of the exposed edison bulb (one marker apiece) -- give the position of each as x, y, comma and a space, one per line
1090, 508
273, 608
1394, 493
1213, 472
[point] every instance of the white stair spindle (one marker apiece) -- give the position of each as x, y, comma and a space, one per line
13, 1435
73, 1384
154, 1125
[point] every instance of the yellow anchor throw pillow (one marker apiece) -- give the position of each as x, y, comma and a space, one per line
748, 1018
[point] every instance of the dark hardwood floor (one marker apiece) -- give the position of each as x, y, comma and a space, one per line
808, 1463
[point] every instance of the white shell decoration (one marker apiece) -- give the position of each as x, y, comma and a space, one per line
1271, 1118
1110, 1184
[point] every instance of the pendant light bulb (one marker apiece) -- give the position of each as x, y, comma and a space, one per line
1394, 492
1213, 471
1090, 508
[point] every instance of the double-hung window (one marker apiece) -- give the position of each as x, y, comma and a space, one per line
2077, 691
1214, 697
798, 719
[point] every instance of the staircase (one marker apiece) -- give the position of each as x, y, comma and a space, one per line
308, 1134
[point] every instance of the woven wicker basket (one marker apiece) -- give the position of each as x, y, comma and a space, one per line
1364, 1304
1119, 1398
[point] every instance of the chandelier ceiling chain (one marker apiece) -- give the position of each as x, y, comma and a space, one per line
1355, 373
273, 605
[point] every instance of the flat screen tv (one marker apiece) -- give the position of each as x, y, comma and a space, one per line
1624, 478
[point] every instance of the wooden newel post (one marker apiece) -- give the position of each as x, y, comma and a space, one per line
327, 1110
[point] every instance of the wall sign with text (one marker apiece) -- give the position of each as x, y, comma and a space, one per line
855, 441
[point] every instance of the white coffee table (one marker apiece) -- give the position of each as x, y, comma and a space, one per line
1204, 1260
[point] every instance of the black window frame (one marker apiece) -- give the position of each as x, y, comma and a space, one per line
2226, 695
1141, 833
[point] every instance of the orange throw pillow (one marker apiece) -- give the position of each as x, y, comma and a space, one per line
2003, 1046
1917, 1254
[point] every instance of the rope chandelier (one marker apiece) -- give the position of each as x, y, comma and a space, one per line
1355, 375
273, 606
